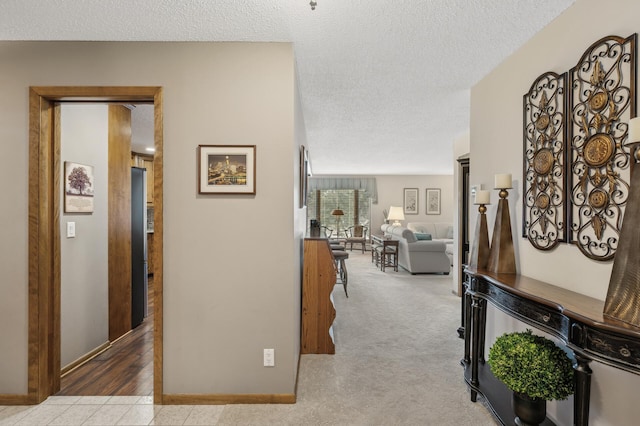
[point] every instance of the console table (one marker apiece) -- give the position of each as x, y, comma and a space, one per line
573, 318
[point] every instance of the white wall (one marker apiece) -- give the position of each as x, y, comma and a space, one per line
226, 297
496, 146
84, 259
391, 193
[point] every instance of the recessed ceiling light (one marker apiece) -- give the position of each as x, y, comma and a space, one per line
150, 149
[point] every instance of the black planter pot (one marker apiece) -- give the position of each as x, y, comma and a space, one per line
529, 412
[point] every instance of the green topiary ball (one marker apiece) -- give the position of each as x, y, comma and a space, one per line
532, 365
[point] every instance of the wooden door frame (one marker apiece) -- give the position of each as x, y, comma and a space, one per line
44, 229
464, 212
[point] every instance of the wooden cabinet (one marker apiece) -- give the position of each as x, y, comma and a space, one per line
145, 162
318, 312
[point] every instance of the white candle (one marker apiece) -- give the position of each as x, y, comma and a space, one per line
483, 197
503, 181
634, 130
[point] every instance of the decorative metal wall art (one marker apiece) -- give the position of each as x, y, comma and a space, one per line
602, 90
543, 222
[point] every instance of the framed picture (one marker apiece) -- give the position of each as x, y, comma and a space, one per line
227, 169
433, 200
411, 201
78, 188
304, 175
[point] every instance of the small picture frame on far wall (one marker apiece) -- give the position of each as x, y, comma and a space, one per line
433, 200
411, 201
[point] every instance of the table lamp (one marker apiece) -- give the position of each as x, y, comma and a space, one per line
337, 213
396, 214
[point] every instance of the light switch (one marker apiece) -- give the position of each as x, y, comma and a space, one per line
71, 229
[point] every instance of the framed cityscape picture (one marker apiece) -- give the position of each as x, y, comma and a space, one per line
433, 200
227, 169
411, 201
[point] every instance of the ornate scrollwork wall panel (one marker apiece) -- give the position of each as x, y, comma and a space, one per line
602, 90
543, 222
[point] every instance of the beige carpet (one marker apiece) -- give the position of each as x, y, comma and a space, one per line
397, 359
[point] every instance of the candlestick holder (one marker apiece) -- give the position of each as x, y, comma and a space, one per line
479, 256
502, 259
623, 295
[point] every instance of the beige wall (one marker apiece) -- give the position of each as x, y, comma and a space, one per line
300, 219
84, 259
228, 290
496, 147
391, 193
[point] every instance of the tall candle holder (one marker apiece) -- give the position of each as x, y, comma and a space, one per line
623, 294
479, 257
502, 258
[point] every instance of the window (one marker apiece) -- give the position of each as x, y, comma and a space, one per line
355, 204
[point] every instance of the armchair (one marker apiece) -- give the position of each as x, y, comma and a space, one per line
326, 232
356, 235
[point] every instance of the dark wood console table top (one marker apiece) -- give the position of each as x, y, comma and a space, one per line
574, 305
577, 320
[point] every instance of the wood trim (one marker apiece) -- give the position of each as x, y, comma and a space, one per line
55, 349
40, 245
10, 399
158, 241
98, 93
221, 399
84, 359
43, 231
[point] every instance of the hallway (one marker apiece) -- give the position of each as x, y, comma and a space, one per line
396, 363
126, 368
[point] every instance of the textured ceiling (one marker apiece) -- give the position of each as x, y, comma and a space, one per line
384, 84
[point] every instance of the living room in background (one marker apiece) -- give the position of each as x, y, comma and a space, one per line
355, 204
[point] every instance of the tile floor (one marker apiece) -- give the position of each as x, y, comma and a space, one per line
108, 410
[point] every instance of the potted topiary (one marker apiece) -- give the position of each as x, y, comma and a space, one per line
535, 370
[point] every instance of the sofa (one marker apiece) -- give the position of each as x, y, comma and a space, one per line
439, 231
418, 256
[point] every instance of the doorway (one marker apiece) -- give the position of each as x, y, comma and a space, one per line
106, 351
465, 193
44, 229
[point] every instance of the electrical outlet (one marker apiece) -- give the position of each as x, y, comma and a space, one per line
269, 358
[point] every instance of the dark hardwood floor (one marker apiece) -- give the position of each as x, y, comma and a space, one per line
126, 368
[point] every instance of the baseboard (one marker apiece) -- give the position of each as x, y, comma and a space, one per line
9, 399
84, 359
222, 399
